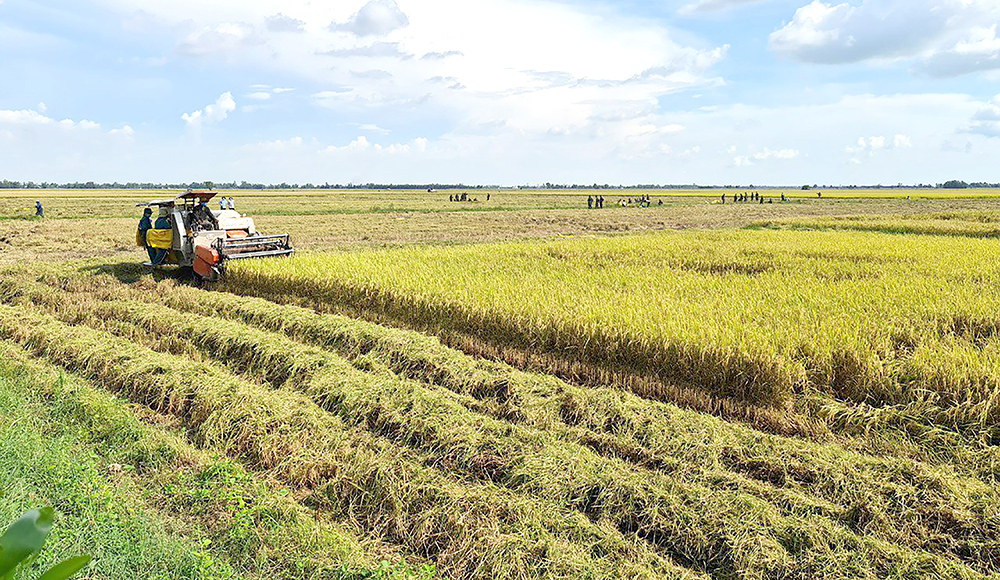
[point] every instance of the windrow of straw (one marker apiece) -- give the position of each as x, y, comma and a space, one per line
254, 524
483, 449
751, 315
469, 531
936, 507
721, 372
423, 357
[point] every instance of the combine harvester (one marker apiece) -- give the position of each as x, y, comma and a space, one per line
204, 239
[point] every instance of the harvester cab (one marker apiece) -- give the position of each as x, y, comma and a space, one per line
204, 239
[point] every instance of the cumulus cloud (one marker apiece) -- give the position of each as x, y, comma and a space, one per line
125, 131
281, 23
986, 120
23, 117
276, 146
227, 37
376, 18
212, 113
825, 33
940, 37
764, 155
440, 55
32, 117
979, 50
363, 145
871, 146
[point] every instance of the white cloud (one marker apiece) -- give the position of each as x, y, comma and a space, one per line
259, 96
376, 18
213, 113
278, 145
592, 71
978, 50
870, 146
23, 117
226, 37
281, 23
124, 131
986, 121
765, 155
941, 37
704, 6
362, 145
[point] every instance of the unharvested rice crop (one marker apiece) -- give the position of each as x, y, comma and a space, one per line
755, 316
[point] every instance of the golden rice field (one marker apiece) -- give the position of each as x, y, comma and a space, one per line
806, 398
757, 316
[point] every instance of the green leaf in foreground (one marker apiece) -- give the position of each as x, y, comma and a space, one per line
66, 568
23, 538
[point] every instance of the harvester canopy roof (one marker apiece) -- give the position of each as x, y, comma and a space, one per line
195, 195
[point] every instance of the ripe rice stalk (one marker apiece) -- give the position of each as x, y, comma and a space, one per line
868, 480
280, 431
443, 431
751, 315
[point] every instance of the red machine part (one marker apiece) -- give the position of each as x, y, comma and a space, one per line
205, 258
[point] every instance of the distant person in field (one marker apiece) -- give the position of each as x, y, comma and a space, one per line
451, 197
145, 224
232, 203
590, 202
783, 198
487, 197
39, 210
222, 204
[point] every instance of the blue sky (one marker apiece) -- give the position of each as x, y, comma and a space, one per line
496, 91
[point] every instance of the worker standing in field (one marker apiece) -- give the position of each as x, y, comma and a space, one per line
158, 255
232, 203
145, 224
222, 203
39, 211
590, 202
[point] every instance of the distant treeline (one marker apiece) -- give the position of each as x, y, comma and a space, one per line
8, 184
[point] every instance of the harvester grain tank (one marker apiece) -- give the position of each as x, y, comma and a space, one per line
204, 239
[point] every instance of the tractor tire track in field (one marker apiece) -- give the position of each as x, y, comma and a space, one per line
516, 438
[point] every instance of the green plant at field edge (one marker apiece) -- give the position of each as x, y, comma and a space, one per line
23, 539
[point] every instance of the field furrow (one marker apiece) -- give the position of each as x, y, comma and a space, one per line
381, 487
254, 524
436, 423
